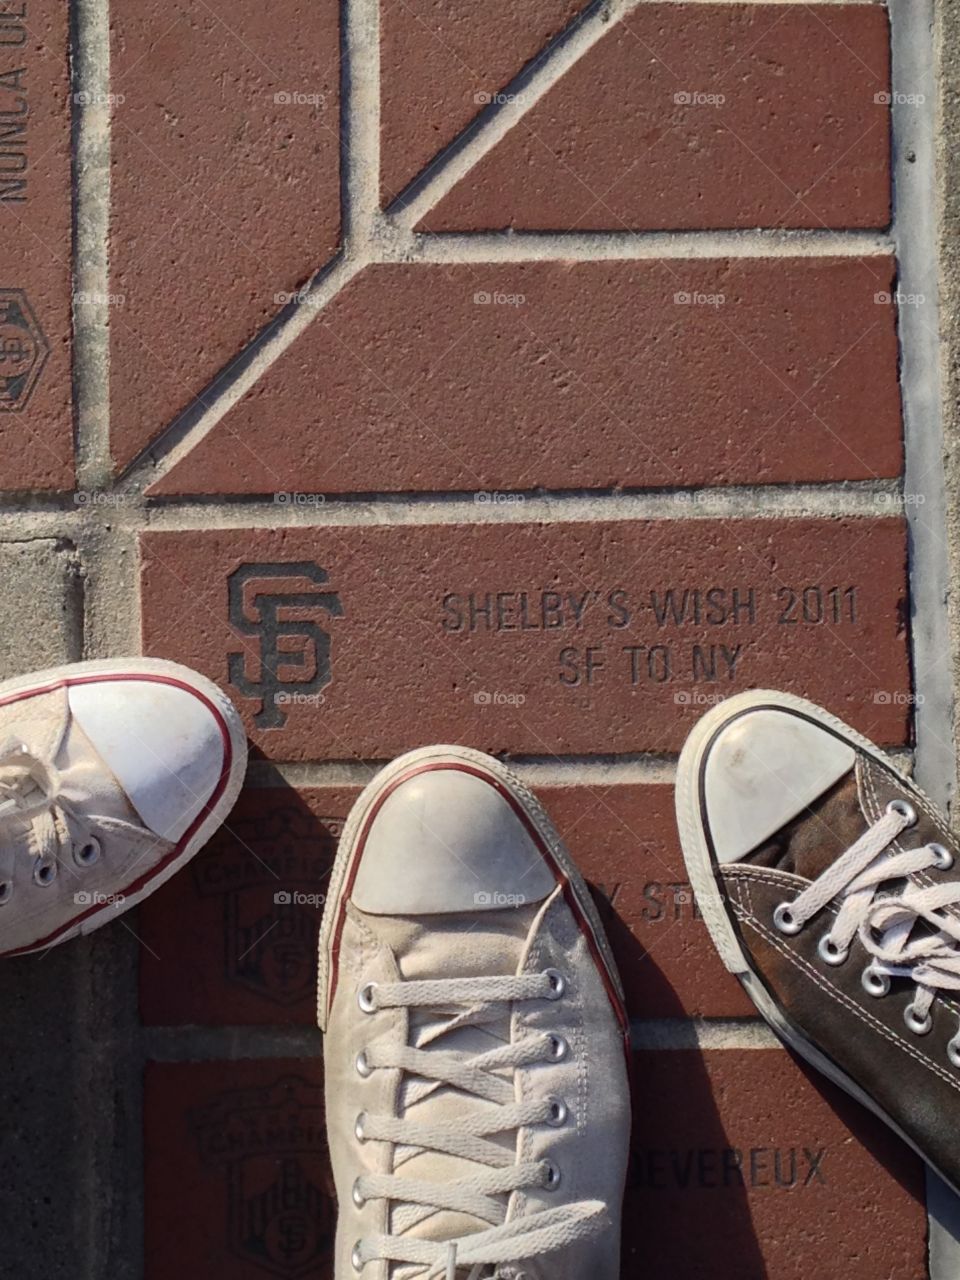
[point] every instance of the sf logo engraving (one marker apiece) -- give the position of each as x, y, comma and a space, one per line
23, 350
278, 604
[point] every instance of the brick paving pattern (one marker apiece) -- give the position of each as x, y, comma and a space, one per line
519, 374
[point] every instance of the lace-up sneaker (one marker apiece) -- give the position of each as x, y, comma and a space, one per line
476, 1075
112, 774
828, 884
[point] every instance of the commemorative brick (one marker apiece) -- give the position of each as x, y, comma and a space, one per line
440, 67
237, 1178
347, 642
36, 434
746, 1164
623, 837
692, 115
225, 196
232, 940
725, 1181
488, 377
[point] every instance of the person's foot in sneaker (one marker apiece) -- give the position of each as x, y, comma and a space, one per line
112, 775
475, 1056
828, 884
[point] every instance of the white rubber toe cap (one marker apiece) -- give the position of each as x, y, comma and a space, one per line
445, 839
762, 770
160, 740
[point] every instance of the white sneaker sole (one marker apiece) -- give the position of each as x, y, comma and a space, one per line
710, 900
385, 780
212, 818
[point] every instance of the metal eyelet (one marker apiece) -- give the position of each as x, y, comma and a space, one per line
919, 1026
905, 810
953, 1050
6, 891
785, 920
355, 1258
558, 983
363, 1066
358, 1127
44, 873
365, 997
874, 982
558, 1048
830, 953
358, 1199
88, 853
558, 1113
943, 855
553, 1176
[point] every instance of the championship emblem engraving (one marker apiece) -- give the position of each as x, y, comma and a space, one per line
23, 350
271, 1146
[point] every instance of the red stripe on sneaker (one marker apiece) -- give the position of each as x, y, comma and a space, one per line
136, 885
569, 893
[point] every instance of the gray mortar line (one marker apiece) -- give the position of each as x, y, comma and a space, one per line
914, 114
702, 1033
90, 56
736, 502
452, 249
198, 1044
515, 99
915, 233
230, 1044
603, 769
97, 1219
230, 386
108, 510
596, 771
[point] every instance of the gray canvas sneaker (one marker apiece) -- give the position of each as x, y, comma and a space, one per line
830, 887
112, 775
475, 1056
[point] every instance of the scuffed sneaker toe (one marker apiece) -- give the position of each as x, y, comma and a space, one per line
475, 1068
112, 775
830, 887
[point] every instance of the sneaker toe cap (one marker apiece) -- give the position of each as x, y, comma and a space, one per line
448, 838
166, 742
762, 769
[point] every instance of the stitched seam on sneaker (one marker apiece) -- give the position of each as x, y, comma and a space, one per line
842, 998
741, 879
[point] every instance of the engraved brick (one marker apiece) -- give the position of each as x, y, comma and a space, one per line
747, 1164
232, 941
567, 375
695, 115
351, 642
36, 434
238, 1182
623, 837
225, 191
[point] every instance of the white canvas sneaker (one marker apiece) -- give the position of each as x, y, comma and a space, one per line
112, 775
478, 1111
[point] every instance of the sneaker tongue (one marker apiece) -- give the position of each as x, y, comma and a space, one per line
812, 841
483, 945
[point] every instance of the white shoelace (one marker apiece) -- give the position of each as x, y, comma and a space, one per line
30, 796
475, 1002
29, 791
887, 924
